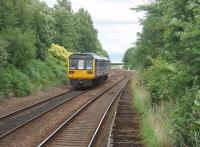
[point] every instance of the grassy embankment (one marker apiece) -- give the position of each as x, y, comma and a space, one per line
35, 75
154, 120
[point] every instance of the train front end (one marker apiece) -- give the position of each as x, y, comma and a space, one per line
81, 70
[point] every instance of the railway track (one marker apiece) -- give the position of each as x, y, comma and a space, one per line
83, 126
125, 130
26, 134
17, 119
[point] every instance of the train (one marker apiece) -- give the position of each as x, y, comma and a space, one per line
87, 69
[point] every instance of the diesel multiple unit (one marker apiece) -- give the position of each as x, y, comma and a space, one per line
87, 69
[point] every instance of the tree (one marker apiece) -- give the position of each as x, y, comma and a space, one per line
63, 4
43, 26
168, 52
66, 34
87, 35
15, 29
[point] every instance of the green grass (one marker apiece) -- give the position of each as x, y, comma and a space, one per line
34, 76
154, 120
149, 134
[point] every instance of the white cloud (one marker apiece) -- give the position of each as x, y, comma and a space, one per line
116, 23
118, 37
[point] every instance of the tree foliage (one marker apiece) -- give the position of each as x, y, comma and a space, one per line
87, 40
59, 52
28, 28
3, 52
168, 52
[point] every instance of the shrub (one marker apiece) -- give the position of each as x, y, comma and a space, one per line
3, 52
166, 81
185, 122
34, 76
14, 82
171, 83
59, 52
44, 73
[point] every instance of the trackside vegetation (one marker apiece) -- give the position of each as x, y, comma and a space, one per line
167, 57
154, 120
36, 40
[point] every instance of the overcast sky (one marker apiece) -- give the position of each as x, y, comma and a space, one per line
117, 25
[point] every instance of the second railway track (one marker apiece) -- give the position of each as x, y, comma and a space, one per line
18, 118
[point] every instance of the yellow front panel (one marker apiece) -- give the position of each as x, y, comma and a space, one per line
82, 74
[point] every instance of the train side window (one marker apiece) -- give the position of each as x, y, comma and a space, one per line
80, 64
72, 64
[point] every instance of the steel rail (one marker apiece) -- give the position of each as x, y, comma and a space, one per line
110, 132
105, 113
30, 108
73, 116
22, 109
17, 112
112, 124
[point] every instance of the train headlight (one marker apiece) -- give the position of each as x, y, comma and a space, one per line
89, 72
71, 72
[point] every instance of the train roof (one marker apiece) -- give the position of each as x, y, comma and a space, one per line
90, 55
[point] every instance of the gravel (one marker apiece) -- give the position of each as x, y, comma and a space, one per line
15, 103
34, 132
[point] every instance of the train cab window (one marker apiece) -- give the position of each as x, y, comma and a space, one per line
80, 64
72, 64
89, 64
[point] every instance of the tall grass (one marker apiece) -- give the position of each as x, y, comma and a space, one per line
154, 118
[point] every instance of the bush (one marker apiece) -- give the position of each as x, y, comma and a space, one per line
166, 81
13, 82
58, 69
34, 76
3, 52
171, 83
59, 52
185, 122
44, 73
38, 72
